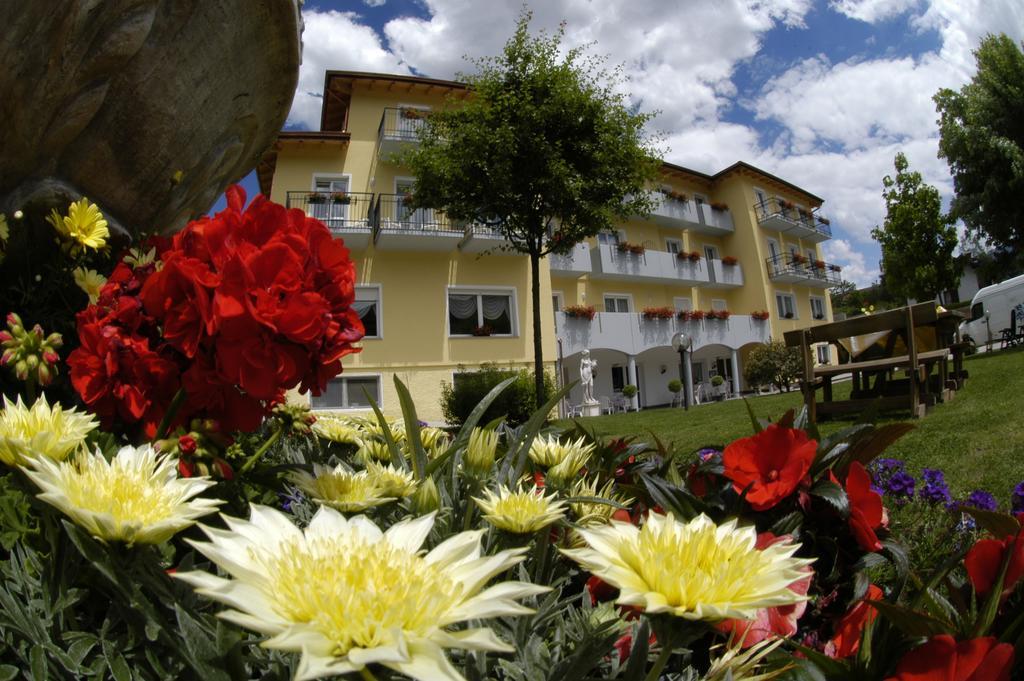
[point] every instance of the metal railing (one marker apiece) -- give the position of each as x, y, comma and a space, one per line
337, 210
401, 124
393, 212
808, 219
788, 264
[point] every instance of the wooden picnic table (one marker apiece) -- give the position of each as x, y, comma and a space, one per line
917, 340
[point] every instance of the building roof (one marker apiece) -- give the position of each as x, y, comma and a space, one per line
338, 87
741, 167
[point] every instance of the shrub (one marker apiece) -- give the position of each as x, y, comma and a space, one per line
773, 364
516, 403
629, 391
717, 381
675, 386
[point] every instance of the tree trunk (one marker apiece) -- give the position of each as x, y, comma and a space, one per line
538, 346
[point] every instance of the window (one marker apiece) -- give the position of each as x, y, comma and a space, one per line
556, 300
614, 303
324, 210
612, 237
618, 377
480, 313
348, 392
682, 304
673, 246
824, 356
761, 199
817, 307
786, 304
367, 305
697, 369
719, 304
977, 311
410, 219
723, 368
710, 252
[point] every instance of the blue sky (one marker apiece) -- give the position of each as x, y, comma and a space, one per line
820, 92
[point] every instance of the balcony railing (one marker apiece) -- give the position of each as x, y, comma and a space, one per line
787, 268
399, 126
394, 213
785, 217
340, 211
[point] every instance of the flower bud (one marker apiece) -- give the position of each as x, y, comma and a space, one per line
14, 323
32, 361
21, 369
222, 469
5, 337
187, 444
480, 452
44, 374
426, 498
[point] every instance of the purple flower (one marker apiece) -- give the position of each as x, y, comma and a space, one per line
707, 453
1017, 498
901, 485
935, 489
981, 499
882, 470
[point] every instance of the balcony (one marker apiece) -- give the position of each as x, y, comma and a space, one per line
630, 333
784, 217
721, 275
575, 263
607, 262
399, 128
347, 214
485, 239
402, 228
689, 214
786, 268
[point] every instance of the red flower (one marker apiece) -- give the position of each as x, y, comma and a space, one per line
943, 659
846, 640
187, 444
772, 463
866, 511
600, 590
780, 620
985, 559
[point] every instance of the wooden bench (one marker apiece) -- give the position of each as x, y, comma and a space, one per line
915, 393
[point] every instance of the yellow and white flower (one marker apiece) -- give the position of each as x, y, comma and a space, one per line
550, 452
391, 481
593, 512
481, 450
347, 595
520, 512
28, 433
84, 224
340, 488
695, 570
89, 281
434, 438
337, 430
136, 498
372, 450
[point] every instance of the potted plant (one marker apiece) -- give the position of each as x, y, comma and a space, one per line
316, 197
629, 391
717, 314
675, 386
730, 260
408, 198
835, 268
799, 259
715, 205
692, 256
341, 197
413, 114
658, 313
579, 311
674, 195
761, 316
819, 264
787, 205
718, 383
631, 248
696, 315
484, 330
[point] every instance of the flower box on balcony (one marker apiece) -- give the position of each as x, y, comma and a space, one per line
658, 313
692, 256
579, 312
721, 315
721, 207
413, 114
341, 197
631, 248
484, 330
819, 264
674, 195
835, 268
690, 315
408, 199
824, 220
799, 259
730, 260
761, 316
787, 205
316, 198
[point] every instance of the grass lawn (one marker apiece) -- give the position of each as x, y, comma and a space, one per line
977, 438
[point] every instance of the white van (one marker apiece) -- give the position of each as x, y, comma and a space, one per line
994, 308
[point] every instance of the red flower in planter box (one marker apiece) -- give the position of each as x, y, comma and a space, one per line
692, 256
484, 330
580, 311
986, 557
941, 658
866, 509
771, 463
658, 313
846, 640
730, 260
760, 316
717, 314
799, 259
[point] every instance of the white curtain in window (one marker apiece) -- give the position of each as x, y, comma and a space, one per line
363, 306
495, 307
462, 306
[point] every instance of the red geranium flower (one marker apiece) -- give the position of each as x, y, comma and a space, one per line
986, 557
772, 463
846, 640
866, 510
778, 621
943, 659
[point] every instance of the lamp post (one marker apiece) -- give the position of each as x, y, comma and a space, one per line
681, 343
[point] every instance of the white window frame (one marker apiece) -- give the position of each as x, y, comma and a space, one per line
719, 304
714, 248
700, 198
561, 299
677, 242
331, 177
612, 294
380, 308
821, 302
345, 378
827, 353
792, 300
620, 236
681, 303
483, 291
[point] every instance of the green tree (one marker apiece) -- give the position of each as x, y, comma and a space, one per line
544, 150
982, 139
917, 239
773, 364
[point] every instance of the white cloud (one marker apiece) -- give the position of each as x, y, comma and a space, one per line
374, 3
855, 267
334, 40
872, 11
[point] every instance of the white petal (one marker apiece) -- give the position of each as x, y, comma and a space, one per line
456, 549
314, 666
410, 534
472, 639
427, 663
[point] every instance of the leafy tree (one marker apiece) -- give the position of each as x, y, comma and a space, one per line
982, 138
544, 150
917, 239
773, 364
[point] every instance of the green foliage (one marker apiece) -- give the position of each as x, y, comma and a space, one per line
515, 404
982, 139
917, 240
545, 151
675, 386
773, 364
628, 390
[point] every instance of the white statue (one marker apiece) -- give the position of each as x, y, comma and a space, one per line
587, 367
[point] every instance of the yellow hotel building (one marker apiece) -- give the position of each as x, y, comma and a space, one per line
736, 244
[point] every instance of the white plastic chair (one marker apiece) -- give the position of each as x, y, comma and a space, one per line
605, 404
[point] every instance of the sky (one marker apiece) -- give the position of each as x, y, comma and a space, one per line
823, 93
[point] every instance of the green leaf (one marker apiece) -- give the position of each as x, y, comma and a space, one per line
788, 524
412, 429
897, 555
37, 663
637, 665
913, 623
7, 672
397, 458
755, 424
997, 524
865, 449
119, 668
832, 494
